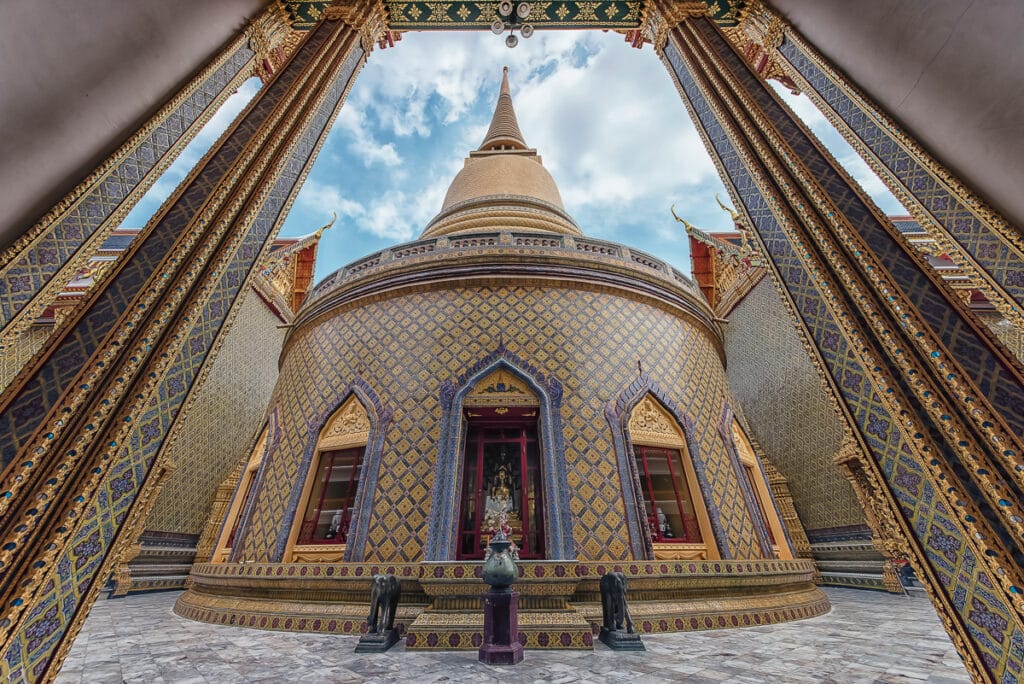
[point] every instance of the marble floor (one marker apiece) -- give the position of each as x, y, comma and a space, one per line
868, 637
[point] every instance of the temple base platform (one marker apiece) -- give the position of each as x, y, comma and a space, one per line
560, 605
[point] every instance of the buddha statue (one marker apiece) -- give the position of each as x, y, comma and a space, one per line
499, 499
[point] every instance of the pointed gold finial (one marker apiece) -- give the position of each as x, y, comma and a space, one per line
504, 131
686, 224
320, 231
735, 215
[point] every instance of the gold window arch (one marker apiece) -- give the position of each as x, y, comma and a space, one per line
673, 503
331, 488
754, 474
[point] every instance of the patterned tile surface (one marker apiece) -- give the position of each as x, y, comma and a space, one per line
221, 422
405, 347
968, 588
781, 396
868, 637
21, 349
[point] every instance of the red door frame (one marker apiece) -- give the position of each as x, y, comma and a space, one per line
652, 516
475, 430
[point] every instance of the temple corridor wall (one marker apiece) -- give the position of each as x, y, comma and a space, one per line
405, 346
220, 424
781, 396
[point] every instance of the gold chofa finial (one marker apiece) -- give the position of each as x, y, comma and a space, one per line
735, 215
321, 229
686, 224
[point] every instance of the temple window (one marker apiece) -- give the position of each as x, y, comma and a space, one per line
244, 490
501, 475
328, 504
762, 493
670, 495
670, 511
328, 511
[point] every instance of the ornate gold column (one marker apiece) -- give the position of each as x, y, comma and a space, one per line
971, 232
141, 340
886, 535
221, 501
37, 267
912, 374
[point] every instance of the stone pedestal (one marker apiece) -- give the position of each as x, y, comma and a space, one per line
621, 640
501, 628
377, 642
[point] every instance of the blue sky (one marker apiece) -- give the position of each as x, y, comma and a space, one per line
605, 118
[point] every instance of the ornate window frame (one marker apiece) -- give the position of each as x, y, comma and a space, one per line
756, 490
355, 547
618, 413
445, 497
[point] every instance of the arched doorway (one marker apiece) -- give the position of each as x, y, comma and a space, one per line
501, 472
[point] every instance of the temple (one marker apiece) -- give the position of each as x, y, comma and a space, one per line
591, 411
836, 393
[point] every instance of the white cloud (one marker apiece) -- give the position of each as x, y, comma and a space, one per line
362, 143
393, 214
325, 200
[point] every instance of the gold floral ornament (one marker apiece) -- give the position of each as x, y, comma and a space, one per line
350, 425
650, 424
501, 388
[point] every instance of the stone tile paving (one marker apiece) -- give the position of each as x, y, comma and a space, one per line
868, 637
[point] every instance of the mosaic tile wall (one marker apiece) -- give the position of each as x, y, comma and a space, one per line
778, 389
221, 421
1007, 332
405, 347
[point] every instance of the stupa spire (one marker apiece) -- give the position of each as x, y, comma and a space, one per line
504, 130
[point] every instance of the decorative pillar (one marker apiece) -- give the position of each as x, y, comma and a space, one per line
971, 232
886, 536
937, 407
140, 342
37, 267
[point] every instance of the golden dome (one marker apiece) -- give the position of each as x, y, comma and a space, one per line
503, 184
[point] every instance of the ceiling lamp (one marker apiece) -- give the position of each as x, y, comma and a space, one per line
512, 16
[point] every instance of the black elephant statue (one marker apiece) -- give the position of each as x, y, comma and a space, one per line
383, 603
613, 602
